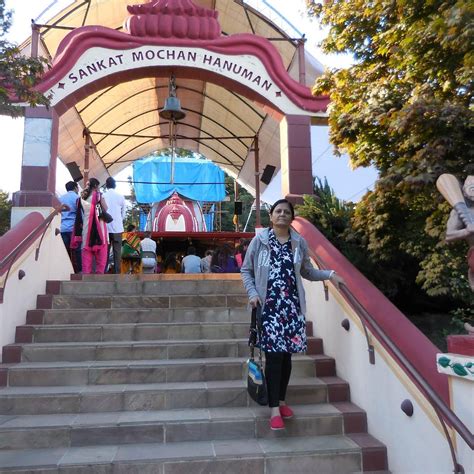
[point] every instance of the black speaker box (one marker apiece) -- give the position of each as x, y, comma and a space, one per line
267, 174
75, 171
238, 208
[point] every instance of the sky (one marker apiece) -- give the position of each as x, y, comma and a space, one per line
348, 184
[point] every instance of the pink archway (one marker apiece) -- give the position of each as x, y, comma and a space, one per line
176, 37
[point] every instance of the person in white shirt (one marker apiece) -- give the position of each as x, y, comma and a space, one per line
116, 208
148, 247
191, 263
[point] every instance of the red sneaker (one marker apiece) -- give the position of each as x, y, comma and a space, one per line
286, 411
276, 423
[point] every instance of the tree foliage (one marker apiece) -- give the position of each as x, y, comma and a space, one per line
18, 73
5, 211
405, 107
328, 213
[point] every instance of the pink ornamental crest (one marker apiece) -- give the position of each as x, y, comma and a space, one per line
173, 19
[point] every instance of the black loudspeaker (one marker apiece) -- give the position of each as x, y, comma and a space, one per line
75, 171
238, 208
267, 174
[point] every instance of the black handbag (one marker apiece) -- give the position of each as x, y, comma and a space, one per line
256, 383
103, 215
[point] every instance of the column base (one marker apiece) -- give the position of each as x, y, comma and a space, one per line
34, 199
25, 202
18, 213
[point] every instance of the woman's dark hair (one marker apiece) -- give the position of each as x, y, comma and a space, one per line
171, 262
283, 201
221, 256
131, 227
92, 185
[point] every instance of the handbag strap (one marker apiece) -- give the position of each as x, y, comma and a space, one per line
255, 326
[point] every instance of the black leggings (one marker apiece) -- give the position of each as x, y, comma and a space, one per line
277, 373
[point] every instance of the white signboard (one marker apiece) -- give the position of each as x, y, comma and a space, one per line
248, 70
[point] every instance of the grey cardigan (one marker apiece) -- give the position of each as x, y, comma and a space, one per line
256, 266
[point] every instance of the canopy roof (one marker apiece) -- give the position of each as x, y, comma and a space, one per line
123, 120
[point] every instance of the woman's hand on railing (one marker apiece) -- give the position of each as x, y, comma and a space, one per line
337, 279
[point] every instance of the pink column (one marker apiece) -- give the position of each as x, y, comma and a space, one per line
38, 171
295, 153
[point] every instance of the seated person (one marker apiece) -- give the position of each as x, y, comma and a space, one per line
131, 259
171, 264
191, 263
148, 253
223, 261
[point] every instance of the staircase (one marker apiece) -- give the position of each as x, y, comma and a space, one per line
125, 374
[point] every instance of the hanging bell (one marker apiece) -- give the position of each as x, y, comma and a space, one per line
172, 110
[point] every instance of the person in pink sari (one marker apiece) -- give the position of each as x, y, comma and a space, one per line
91, 230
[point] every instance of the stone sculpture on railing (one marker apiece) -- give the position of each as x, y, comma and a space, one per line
460, 224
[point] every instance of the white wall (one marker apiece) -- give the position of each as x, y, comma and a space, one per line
462, 392
414, 445
20, 295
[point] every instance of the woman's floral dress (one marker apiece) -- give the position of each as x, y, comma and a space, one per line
283, 326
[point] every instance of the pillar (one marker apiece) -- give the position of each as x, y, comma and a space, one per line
256, 150
296, 161
38, 169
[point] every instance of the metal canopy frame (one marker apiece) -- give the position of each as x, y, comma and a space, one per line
230, 120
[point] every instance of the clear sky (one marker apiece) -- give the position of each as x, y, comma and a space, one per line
348, 184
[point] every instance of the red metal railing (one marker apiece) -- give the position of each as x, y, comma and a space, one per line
20, 242
440, 407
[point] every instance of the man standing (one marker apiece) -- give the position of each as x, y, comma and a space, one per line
116, 208
191, 263
68, 218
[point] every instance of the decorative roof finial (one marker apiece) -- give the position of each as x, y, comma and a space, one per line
173, 19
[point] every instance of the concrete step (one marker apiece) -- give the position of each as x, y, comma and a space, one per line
145, 374
134, 350
177, 277
334, 454
144, 371
159, 396
137, 315
55, 431
105, 301
130, 332
156, 288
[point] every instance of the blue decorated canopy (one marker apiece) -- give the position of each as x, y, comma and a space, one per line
197, 179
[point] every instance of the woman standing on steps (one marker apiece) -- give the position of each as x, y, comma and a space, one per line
275, 261
90, 230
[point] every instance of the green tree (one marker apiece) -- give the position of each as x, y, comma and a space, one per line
334, 218
329, 214
5, 211
404, 107
18, 73
132, 215
179, 152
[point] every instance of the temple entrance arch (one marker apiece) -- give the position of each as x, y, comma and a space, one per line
90, 60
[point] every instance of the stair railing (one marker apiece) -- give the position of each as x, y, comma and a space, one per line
7, 262
443, 412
